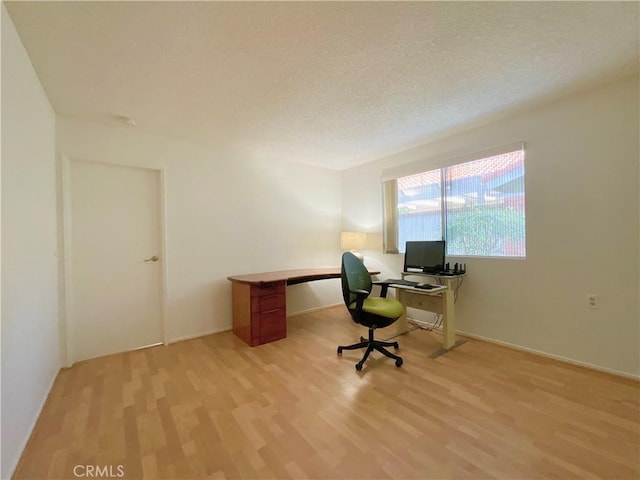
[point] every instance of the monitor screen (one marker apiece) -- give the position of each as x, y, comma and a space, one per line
424, 256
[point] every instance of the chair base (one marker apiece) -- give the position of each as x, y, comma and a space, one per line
371, 344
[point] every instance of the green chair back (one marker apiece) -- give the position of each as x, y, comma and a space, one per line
355, 276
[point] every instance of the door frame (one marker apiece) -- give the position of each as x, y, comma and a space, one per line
67, 321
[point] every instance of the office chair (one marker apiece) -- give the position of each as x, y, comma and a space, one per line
372, 312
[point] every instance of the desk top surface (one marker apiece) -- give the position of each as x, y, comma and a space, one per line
291, 277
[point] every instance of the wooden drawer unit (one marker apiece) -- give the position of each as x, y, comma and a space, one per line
259, 312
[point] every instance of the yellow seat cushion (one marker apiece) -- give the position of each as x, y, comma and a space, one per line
385, 307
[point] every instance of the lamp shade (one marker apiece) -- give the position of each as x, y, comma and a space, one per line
353, 240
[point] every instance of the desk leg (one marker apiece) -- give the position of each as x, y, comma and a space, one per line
402, 325
449, 321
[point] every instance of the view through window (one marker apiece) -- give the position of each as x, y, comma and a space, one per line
479, 205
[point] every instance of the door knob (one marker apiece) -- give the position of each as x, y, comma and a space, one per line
155, 258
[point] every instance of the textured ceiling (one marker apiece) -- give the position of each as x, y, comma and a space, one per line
333, 84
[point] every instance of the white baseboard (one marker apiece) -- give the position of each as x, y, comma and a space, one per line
550, 355
24, 442
198, 335
316, 309
458, 332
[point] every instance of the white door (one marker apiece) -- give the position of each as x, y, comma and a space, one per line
116, 275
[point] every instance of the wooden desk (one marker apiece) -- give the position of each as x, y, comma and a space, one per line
260, 303
442, 302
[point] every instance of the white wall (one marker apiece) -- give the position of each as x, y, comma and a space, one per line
226, 214
582, 229
30, 353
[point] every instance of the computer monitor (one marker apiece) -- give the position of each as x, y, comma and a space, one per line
424, 256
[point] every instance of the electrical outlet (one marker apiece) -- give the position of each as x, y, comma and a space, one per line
593, 301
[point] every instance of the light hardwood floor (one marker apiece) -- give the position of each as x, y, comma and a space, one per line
214, 407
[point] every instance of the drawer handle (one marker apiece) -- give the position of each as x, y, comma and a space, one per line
272, 311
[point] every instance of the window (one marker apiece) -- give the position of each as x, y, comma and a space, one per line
478, 207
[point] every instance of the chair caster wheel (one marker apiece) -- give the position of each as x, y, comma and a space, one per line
396, 346
339, 350
362, 339
399, 362
358, 366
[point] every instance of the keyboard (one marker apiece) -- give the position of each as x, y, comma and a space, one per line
394, 281
408, 283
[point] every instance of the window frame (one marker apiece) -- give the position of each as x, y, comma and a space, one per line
391, 226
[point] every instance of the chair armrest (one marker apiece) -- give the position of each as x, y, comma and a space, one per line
362, 294
359, 292
384, 285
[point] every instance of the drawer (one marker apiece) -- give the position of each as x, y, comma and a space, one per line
273, 325
271, 302
268, 289
267, 303
423, 302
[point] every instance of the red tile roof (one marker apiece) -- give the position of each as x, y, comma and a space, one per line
487, 168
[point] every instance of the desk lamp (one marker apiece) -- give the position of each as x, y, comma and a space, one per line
354, 241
